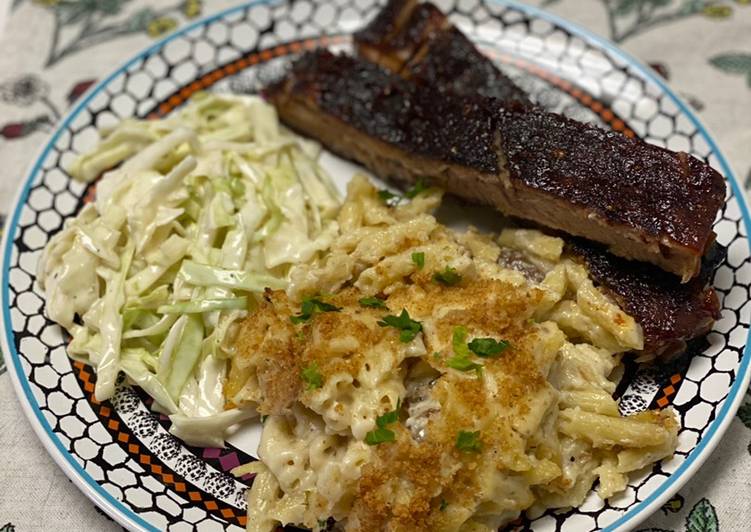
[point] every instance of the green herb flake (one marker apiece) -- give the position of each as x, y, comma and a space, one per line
382, 434
448, 276
311, 306
418, 258
379, 435
436, 355
461, 361
373, 302
263, 419
464, 364
311, 376
389, 417
388, 197
408, 327
468, 442
459, 341
444, 505
488, 347
419, 187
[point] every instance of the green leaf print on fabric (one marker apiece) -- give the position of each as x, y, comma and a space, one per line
625, 7
702, 518
94, 22
627, 18
734, 63
8, 527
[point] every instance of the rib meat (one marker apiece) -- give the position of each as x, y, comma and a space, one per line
642, 201
398, 31
669, 313
417, 41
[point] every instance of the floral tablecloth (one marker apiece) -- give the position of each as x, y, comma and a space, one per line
53, 50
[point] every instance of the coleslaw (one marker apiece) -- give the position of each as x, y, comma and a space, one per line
194, 215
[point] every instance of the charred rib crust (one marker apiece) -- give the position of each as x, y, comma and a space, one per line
385, 107
421, 44
398, 32
627, 182
451, 63
387, 23
424, 23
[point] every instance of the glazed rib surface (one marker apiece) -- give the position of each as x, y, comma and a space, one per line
417, 41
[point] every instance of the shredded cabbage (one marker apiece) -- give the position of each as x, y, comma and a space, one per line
195, 215
208, 431
205, 305
205, 275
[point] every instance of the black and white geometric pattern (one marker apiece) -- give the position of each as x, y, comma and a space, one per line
37, 347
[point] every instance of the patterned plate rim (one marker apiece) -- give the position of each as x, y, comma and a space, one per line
127, 517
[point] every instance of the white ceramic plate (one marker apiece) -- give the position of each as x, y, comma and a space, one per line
120, 453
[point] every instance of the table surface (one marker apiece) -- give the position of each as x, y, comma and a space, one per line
54, 49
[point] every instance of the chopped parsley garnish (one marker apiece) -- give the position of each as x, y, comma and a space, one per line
468, 442
381, 434
420, 186
461, 361
311, 376
310, 306
389, 417
391, 199
463, 364
388, 197
487, 347
263, 419
444, 505
372, 302
436, 355
408, 327
459, 341
419, 259
448, 276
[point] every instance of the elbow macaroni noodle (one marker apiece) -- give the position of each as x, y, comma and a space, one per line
539, 417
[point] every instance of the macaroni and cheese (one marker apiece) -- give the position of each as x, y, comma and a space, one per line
416, 378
